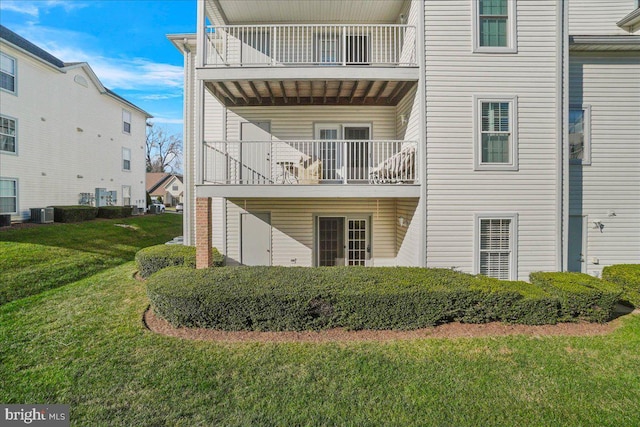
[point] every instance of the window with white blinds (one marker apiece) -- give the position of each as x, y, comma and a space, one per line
496, 247
8, 196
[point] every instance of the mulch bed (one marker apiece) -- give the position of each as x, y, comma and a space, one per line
449, 330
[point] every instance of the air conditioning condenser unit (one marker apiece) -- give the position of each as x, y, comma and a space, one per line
42, 215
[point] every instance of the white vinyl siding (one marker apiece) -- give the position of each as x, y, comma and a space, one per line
608, 190
8, 73
8, 138
8, 196
580, 134
293, 235
598, 17
496, 144
494, 26
299, 122
126, 121
455, 190
126, 159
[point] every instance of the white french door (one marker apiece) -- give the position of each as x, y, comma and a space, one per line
342, 240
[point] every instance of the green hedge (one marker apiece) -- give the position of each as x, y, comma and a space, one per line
298, 298
114, 211
627, 276
74, 213
155, 258
581, 296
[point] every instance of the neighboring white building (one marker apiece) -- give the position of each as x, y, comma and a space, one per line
425, 133
63, 135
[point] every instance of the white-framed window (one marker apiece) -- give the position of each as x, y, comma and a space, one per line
8, 196
174, 188
494, 26
126, 195
496, 242
126, 121
126, 159
580, 134
7, 73
8, 140
496, 133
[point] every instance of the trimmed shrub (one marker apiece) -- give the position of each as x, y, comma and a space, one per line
627, 276
581, 296
114, 211
299, 298
154, 258
74, 213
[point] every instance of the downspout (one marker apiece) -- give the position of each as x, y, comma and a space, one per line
188, 178
422, 94
562, 169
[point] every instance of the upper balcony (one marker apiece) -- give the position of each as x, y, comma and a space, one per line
382, 45
331, 52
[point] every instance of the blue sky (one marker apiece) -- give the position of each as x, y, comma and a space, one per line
124, 42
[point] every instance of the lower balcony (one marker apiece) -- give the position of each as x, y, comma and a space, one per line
316, 168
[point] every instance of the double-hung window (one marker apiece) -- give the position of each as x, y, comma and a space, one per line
7, 135
496, 137
496, 246
126, 159
494, 26
580, 134
7, 73
8, 196
126, 195
126, 121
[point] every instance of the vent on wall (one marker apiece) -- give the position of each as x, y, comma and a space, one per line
81, 81
41, 215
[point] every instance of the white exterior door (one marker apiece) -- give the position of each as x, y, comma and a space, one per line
255, 240
357, 152
255, 153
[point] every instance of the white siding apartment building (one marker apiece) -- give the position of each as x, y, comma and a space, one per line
63, 135
498, 137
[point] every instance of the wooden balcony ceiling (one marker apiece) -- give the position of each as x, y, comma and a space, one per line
307, 92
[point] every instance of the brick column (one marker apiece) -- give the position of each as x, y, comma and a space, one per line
204, 238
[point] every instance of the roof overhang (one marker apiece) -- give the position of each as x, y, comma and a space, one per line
631, 22
604, 43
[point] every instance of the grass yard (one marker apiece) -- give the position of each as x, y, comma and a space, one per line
34, 259
83, 344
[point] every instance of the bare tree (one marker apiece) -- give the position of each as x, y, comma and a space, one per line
164, 151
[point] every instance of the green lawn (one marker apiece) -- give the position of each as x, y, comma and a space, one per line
39, 258
83, 344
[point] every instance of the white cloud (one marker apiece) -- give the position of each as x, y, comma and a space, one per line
114, 72
160, 97
166, 121
34, 7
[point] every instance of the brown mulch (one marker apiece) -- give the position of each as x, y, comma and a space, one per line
449, 330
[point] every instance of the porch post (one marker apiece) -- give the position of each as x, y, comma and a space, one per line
204, 238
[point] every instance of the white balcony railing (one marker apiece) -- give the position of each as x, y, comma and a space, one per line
310, 162
272, 45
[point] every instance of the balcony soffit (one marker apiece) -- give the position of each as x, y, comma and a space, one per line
308, 11
309, 92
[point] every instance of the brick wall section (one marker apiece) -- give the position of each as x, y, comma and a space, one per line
204, 235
